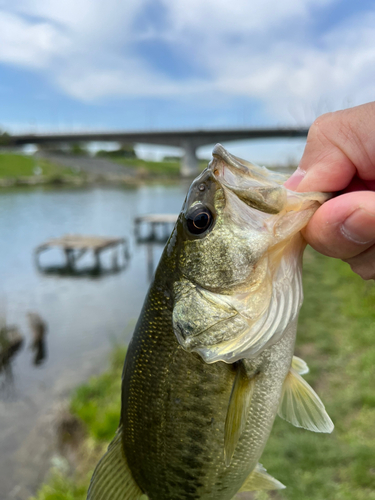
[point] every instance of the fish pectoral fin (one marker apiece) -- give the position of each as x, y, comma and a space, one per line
238, 410
301, 406
258, 480
299, 365
112, 478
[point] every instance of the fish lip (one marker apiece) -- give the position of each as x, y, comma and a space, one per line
220, 152
250, 170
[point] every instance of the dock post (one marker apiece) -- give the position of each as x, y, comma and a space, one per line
70, 258
115, 261
97, 260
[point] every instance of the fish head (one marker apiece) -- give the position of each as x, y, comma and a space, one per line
237, 251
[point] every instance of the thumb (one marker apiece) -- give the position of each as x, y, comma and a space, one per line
344, 227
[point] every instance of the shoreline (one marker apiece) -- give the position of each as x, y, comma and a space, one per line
86, 181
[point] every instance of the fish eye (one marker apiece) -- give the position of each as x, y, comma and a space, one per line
199, 220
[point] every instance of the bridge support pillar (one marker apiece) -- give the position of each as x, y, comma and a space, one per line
189, 162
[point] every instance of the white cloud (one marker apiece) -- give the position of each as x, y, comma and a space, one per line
29, 44
259, 49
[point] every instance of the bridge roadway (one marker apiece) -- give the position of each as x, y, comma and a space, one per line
188, 140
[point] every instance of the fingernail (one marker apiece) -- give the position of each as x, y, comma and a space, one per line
295, 179
359, 227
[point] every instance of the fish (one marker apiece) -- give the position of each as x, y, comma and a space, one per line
211, 362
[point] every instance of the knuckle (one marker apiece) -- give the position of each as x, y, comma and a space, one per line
321, 128
366, 272
322, 122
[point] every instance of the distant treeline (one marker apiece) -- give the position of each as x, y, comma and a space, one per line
125, 151
4, 138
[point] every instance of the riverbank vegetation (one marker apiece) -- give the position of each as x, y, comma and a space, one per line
164, 167
336, 338
19, 169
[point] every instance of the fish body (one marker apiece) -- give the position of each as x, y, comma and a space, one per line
175, 406
211, 357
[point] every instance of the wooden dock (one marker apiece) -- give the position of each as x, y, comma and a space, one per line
75, 246
154, 228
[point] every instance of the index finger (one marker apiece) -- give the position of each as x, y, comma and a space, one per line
339, 147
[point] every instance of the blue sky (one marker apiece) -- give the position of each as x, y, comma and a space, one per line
164, 64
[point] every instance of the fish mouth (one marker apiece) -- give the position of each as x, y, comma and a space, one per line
256, 186
242, 167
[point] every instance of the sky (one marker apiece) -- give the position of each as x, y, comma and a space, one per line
182, 64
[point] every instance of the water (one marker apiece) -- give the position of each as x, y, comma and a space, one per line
85, 316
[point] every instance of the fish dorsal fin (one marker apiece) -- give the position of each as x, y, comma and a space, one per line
112, 478
299, 365
301, 406
238, 410
258, 480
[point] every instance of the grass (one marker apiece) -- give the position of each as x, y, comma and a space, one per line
97, 403
60, 487
336, 338
18, 166
165, 167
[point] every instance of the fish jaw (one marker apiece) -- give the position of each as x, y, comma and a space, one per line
248, 287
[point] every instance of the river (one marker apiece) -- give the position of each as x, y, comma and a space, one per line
85, 315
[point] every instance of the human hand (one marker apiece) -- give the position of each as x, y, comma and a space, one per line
339, 157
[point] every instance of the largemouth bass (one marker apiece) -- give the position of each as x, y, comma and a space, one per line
211, 360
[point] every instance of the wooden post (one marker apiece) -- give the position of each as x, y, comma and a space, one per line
70, 258
97, 260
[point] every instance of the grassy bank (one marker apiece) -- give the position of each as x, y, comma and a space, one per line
96, 405
156, 168
337, 339
17, 169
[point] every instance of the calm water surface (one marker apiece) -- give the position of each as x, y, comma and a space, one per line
85, 316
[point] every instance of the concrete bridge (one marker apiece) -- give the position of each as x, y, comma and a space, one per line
188, 140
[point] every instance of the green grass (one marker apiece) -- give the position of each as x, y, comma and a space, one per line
60, 487
12, 165
16, 165
336, 337
169, 168
97, 403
